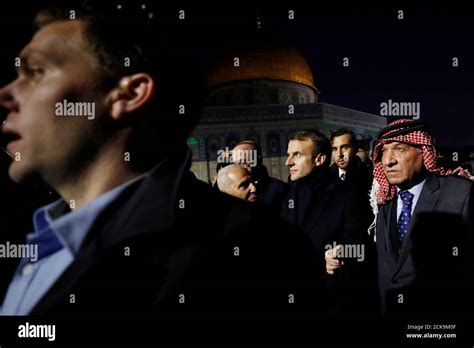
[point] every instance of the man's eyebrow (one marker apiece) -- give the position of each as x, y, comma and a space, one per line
244, 182
26, 56
342, 145
393, 143
401, 144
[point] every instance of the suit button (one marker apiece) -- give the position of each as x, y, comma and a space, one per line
394, 282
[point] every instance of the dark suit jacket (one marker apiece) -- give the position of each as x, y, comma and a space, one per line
181, 239
330, 211
271, 191
357, 175
432, 271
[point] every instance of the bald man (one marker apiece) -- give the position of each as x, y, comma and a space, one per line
271, 191
236, 181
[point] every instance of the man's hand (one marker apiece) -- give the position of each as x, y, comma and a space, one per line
331, 262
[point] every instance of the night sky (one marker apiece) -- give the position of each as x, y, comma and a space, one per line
408, 60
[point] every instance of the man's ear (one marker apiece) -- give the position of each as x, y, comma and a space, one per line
132, 93
320, 159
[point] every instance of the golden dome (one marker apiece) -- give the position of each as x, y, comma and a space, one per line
271, 61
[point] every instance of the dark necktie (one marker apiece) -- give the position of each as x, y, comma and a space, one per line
405, 216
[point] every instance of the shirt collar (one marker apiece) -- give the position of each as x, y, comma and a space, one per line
415, 190
71, 227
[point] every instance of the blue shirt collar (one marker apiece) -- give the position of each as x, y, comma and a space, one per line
56, 226
415, 190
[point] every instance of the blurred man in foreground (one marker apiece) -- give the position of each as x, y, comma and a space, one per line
134, 230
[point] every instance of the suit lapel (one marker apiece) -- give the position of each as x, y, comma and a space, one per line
388, 212
426, 203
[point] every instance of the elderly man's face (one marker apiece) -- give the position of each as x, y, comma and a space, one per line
57, 65
402, 163
241, 185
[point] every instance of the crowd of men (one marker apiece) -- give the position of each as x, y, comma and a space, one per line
421, 258
134, 230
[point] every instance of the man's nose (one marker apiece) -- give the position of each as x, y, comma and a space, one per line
289, 162
341, 153
388, 159
253, 188
7, 99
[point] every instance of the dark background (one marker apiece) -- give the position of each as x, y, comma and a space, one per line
407, 60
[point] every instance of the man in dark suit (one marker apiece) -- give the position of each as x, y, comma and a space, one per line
329, 211
347, 165
133, 230
424, 226
349, 168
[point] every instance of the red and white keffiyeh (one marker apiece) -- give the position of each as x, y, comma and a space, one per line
422, 138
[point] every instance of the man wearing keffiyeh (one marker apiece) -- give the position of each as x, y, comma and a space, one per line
424, 225
416, 135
